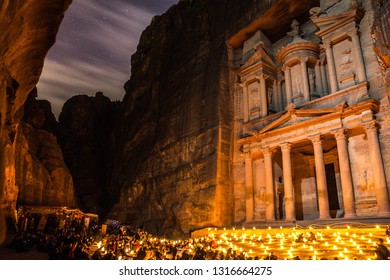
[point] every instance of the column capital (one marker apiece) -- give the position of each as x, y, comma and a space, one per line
285, 68
262, 77
353, 32
246, 156
286, 146
327, 44
268, 152
339, 134
243, 84
316, 139
370, 126
303, 59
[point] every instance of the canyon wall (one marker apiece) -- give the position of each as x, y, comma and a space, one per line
172, 169
27, 169
85, 133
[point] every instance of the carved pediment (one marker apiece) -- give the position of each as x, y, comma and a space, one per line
260, 58
295, 116
328, 23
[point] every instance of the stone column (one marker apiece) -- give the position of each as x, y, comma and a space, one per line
345, 173
246, 101
280, 92
305, 79
269, 186
323, 202
289, 197
357, 50
287, 77
263, 95
318, 80
324, 80
331, 68
382, 196
249, 190
276, 96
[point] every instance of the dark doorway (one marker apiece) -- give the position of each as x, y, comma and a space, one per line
333, 198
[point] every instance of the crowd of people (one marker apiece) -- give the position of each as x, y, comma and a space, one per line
139, 245
77, 242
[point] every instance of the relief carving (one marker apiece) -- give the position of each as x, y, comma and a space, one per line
297, 86
312, 78
295, 29
366, 182
346, 62
255, 98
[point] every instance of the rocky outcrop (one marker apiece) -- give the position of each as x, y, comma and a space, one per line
30, 29
86, 124
172, 172
44, 178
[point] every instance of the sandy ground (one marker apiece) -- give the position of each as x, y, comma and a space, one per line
11, 254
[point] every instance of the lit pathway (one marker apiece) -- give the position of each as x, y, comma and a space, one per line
347, 242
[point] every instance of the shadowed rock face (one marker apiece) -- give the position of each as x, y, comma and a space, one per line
45, 179
30, 30
86, 124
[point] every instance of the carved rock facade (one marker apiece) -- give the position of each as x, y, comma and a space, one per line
311, 121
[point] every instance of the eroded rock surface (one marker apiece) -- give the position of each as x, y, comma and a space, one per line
28, 31
86, 123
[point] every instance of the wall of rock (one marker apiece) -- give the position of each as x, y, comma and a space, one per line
172, 174
85, 127
31, 27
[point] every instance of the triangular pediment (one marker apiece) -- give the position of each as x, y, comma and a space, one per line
295, 116
259, 57
324, 22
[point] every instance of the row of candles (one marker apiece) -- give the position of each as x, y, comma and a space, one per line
306, 243
343, 243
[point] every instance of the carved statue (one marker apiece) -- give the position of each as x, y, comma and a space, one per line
312, 77
295, 29
316, 12
255, 99
346, 61
297, 86
270, 96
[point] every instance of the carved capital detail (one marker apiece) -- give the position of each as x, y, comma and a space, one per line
268, 152
243, 84
339, 134
354, 32
327, 45
285, 68
371, 126
303, 59
286, 147
316, 139
262, 77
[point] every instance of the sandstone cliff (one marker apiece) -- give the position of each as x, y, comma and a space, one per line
173, 169
86, 124
28, 31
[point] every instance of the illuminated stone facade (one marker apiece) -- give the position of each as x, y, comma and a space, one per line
311, 120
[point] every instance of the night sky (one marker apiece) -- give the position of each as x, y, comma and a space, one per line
93, 48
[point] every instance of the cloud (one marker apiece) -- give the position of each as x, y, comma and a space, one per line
93, 48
